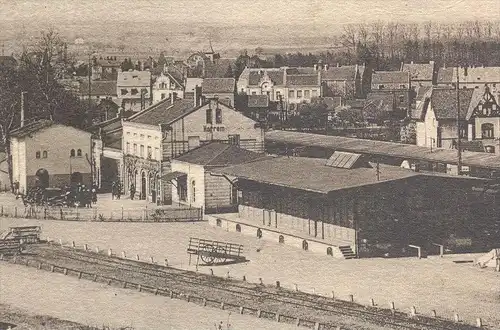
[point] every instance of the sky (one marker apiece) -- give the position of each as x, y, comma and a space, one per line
248, 12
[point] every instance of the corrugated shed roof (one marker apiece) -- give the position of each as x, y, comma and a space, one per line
164, 112
219, 154
31, 128
218, 85
444, 102
98, 88
382, 148
303, 80
312, 174
134, 79
419, 71
258, 101
390, 77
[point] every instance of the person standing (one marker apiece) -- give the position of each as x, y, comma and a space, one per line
118, 190
113, 190
132, 191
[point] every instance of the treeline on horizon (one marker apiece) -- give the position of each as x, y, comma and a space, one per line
383, 46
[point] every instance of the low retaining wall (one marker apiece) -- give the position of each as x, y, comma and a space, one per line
275, 235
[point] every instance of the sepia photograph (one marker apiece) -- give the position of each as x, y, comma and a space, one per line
249, 165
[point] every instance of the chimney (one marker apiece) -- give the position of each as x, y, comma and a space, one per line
22, 108
195, 96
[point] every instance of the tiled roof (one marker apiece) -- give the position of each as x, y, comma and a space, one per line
477, 75
302, 80
444, 102
419, 71
219, 154
31, 128
342, 73
191, 83
276, 76
476, 98
218, 85
98, 88
423, 94
390, 77
383, 102
383, 148
258, 101
219, 68
290, 172
164, 112
134, 79
446, 75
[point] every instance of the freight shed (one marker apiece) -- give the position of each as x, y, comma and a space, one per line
346, 202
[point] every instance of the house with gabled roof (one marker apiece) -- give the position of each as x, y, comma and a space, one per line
134, 89
166, 84
193, 184
421, 74
221, 88
436, 117
172, 127
62, 153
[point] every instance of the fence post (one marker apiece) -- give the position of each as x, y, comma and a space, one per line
15, 212
456, 317
137, 256
61, 212
77, 213
124, 255
152, 260
97, 249
85, 247
333, 295
2, 210
73, 244
110, 252
372, 302
351, 298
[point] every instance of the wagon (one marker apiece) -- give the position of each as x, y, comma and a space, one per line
214, 252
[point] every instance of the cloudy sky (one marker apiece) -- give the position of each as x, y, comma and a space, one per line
254, 12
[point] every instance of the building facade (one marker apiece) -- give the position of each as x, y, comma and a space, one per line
221, 88
64, 152
484, 121
134, 90
168, 129
165, 86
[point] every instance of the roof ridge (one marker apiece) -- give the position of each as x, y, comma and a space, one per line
151, 107
220, 152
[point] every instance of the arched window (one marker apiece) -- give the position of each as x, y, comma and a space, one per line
37, 154
72, 153
487, 130
44, 154
218, 116
238, 228
79, 153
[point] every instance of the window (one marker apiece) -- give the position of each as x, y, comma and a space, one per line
142, 151
128, 133
234, 139
401, 99
381, 86
150, 152
79, 153
127, 149
72, 153
135, 134
163, 95
124, 91
142, 136
134, 91
149, 137
402, 86
209, 116
135, 149
37, 154
157, 153
44, 154
291, 93
314, 93
487, 131
299, 94
307, 94
218, 116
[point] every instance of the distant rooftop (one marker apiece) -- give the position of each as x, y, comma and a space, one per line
134, 79
218, 154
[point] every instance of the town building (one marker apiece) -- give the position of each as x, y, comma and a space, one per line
166, 84
348, 81
436, 118
484, 120
471, 77
190, 87
170, 128
221, 88
346, 207
99, 90
134, 90
194, 185
62, 152
106, 68
421, 74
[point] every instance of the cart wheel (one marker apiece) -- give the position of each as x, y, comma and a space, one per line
218, 252
207, 258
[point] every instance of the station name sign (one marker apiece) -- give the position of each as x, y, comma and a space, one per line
213, 128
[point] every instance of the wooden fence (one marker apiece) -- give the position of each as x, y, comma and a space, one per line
185, 214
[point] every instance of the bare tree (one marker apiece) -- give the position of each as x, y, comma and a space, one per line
363, 33
349, 37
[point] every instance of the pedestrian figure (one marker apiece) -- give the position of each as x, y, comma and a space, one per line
118, 190
132, 191
94, 194
113, 190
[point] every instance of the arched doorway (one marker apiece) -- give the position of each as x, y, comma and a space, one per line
76, 178
143, 185
42, 178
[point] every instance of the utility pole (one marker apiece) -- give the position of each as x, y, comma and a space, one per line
459, 148
90, 89
378, 170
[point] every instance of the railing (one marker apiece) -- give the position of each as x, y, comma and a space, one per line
187, 214
199, 244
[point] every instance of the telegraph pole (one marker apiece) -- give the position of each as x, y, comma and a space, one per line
459, 148
90, 89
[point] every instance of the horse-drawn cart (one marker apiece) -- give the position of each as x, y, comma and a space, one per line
214, 252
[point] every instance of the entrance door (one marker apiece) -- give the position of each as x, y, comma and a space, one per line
143, 186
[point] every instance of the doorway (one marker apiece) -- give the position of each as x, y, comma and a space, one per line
42, 178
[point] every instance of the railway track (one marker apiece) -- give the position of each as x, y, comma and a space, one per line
294, 304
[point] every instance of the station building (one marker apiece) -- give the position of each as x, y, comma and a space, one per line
57, 154
348, 207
